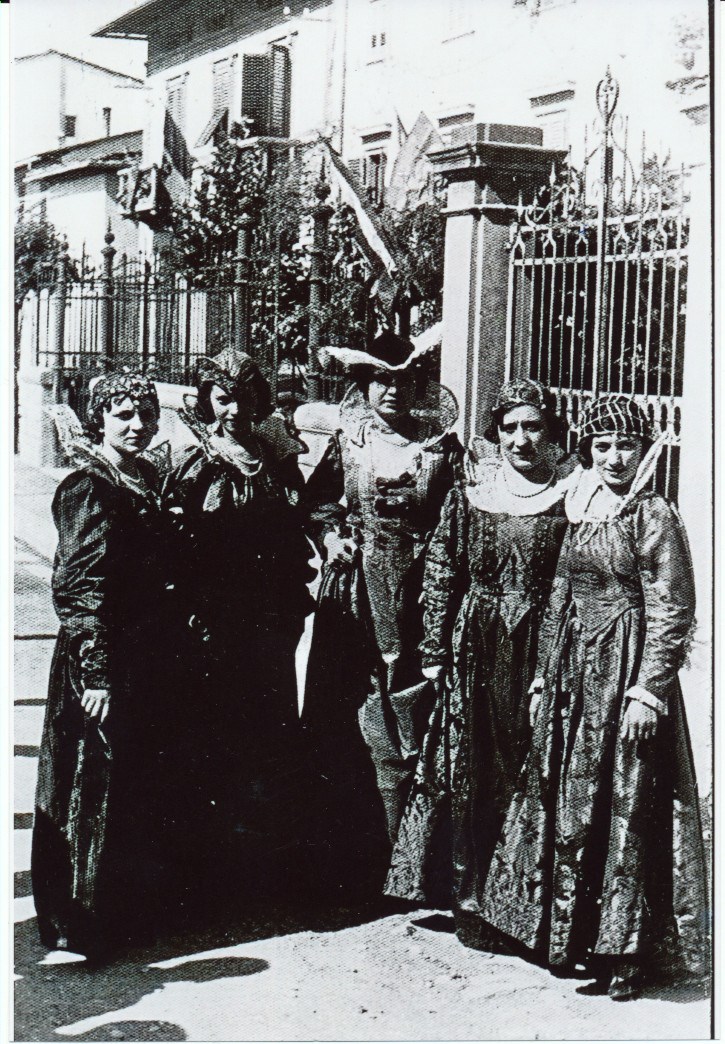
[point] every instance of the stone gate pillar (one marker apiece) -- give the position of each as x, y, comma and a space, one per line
486, 166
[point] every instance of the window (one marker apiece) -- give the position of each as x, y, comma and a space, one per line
107, 122
176, 151
222, 82
370, 170
551, 109
266, 91
69, 126
458, 21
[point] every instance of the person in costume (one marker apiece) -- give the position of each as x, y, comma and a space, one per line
488, 573
393, 460
99, 858
600, 863
236, 494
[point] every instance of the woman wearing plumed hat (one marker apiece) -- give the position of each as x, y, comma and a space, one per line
488, 574
600, 863
236, 495
393, 460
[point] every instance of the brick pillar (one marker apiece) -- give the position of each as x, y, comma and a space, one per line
486, 166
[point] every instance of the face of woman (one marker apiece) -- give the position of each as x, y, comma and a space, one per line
234, 413
127, 427
616, 459
524, 438
391, 394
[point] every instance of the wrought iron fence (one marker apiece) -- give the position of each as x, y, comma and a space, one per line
135, 312
598, 282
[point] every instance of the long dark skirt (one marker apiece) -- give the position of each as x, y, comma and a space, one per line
347, 836
100, 852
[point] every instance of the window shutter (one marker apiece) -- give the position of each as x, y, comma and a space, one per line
355, 166
256, 92
281, 82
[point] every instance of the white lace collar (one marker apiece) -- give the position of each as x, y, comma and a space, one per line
492, 489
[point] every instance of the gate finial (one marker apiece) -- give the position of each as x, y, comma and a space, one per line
607, 97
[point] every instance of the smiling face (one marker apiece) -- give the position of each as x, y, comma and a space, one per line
129, 427
235, 413
524, 438
616, 458
391, 395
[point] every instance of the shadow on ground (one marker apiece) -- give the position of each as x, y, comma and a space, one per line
49, 997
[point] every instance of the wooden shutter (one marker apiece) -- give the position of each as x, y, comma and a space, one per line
256, 92
280, 91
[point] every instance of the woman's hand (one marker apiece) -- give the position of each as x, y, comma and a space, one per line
639, 722
435, 675
536, 690
339, 548
95, 702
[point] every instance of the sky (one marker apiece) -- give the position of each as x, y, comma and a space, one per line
67, 25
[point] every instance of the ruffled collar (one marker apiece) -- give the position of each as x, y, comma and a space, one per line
493, 490
273, 435
591, 500
434, 415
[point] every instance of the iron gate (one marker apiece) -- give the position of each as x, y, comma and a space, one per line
598, 282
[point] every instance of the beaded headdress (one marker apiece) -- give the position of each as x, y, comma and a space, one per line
135, 386
618, 414
525, 391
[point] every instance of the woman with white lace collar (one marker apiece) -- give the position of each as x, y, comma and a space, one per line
600, 862
488, 572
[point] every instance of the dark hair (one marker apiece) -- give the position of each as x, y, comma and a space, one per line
255, 386
584, 448
95, 421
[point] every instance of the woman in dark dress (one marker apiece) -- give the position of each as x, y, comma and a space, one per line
488, 573
600, 862
366, 698
247, 569
99, 857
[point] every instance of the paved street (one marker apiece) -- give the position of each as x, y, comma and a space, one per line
360, 974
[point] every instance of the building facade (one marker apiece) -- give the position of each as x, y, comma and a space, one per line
77, 124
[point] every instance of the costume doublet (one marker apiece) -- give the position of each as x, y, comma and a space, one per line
368, 627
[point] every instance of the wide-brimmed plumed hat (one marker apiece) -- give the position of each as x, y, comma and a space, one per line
525, 391
389, 351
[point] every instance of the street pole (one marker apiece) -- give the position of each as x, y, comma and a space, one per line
106, 301
241, 283
321, 217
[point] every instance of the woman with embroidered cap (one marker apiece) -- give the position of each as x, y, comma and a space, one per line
600, 862
394, 461
248, 565
488, 573
98, 856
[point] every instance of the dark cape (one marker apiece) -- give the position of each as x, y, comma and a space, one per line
105, 793
601, 854
366, 702
487, 579
246, 569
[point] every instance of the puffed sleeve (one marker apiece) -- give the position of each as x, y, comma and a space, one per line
324, 491
79, 575
665, 573
444, 579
